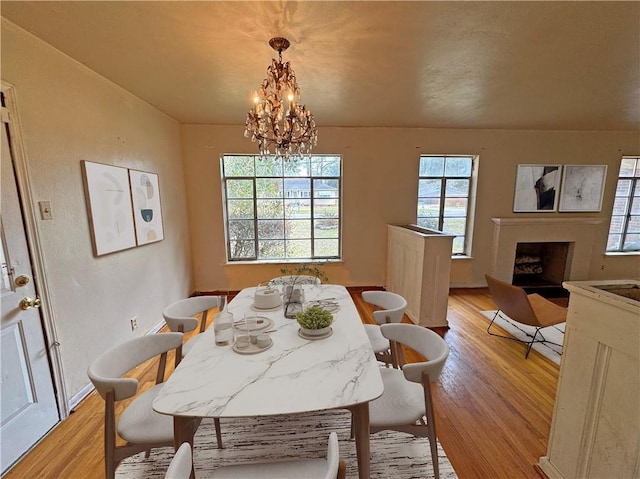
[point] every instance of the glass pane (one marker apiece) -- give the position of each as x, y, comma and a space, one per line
617, 224
326, 228
454, 225
270, 208
326, 248
299, 188
455, 207
623, 188
239, 189
431, 166
620, 206
429, 207
268, 188
325, 209
429, 188
325, 166
242, 250
271, 249
613, 242
299, 249
458, 245
238, 165
326, 188
269, 167
458, 166
297, 229
635, 205
298, 167
299, 208
240, 209
634, 224
430, 223
270, 229
457, 188
628, 167
631, 242
242, 229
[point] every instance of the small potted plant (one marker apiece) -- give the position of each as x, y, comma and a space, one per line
314, 321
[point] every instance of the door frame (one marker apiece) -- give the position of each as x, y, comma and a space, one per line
34, 242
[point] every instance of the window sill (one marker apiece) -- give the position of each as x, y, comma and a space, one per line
622, 253
461, 256
284, 262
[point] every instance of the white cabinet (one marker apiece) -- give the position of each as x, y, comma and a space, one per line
595, 431
418, 268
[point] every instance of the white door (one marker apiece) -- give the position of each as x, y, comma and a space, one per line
27, 397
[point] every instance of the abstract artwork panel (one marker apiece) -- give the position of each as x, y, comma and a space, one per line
109, 206
582, 187
536, 188
147, 212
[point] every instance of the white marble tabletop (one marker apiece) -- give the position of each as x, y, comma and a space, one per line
294, 375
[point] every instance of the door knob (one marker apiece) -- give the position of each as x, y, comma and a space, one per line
28, 303
22, 280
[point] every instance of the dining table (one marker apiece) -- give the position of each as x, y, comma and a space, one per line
293, 374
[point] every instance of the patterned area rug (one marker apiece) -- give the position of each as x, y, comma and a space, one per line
552, 334
393, 454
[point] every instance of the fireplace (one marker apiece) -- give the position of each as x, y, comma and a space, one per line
540, 267
564, 246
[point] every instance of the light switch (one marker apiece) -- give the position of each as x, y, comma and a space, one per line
45, 210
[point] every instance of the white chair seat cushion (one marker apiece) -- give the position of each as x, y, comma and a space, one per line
299, 469
378, 342
186, 347
139, 423
402, 401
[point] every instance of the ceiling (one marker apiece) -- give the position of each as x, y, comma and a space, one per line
514, 65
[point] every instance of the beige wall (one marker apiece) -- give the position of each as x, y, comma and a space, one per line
380, 187
68, 114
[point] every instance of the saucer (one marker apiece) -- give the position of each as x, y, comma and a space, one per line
266, 310
262, 323
312, 338
252, 348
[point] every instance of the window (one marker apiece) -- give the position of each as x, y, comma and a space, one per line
444, 190
277, 210
624, 231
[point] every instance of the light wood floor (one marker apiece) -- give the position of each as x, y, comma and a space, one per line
493, 407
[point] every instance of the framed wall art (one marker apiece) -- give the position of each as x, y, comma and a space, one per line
536, 188
147, 211
582, 187
109, 207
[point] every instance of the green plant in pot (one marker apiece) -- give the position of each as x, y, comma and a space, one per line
314, 321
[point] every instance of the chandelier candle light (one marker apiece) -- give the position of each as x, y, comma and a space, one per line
278, 119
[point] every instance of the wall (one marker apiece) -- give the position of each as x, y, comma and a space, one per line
380, 186
68, 114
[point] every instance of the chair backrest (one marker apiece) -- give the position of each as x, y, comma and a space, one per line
393, 306
107, 369
295, 279
424, 341
182, 312
333, 457
181, 464
512, 301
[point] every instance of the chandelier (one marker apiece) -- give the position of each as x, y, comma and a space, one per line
278, 121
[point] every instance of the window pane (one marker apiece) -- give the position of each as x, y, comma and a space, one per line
268, 188
242, 229
270, 229
297, 168
238, 166
614, 242
623, 188
270, 209
631, 242
620, 206
429, 188
300, 208
617, 224
428, 207
327, 247
430, 223
431, 166
324, 209
325, 166
457, 188
454, 225
269, 167
242, 250
634, 224
299, 249
628, 167
458, 166
458, 245
271, 249
239, 189
326, 189
240, 209
635, 205
298, 229
455, 207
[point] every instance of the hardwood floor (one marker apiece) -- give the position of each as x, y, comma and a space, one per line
493, 406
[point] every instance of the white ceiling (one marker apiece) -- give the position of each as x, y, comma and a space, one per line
516, 65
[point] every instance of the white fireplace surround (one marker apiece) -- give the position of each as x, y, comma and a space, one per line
508, 232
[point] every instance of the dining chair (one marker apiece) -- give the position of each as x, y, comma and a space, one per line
530, 309
330, 467
406, 404
139, 425
180, 317
392, 307
182, 463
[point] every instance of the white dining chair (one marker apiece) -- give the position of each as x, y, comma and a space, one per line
315, 468
139, 425
406, 404
391, 310
181, 317
181, 464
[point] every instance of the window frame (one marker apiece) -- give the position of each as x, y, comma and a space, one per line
633, 192
468, 218
287, 195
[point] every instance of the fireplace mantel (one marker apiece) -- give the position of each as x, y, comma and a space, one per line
508, 232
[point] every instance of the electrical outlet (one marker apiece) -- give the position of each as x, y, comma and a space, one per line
134, 323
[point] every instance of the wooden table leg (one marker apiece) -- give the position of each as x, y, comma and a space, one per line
361, 425
183, 431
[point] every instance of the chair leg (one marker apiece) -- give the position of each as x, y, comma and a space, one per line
530, 343
216, 422
342, 470
109, 435
431, 424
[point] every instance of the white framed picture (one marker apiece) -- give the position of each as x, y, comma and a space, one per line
536, 188
109, 207
582, 187
147, 212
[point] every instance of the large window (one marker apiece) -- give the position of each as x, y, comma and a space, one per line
624, 232
282, 210
444, 191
